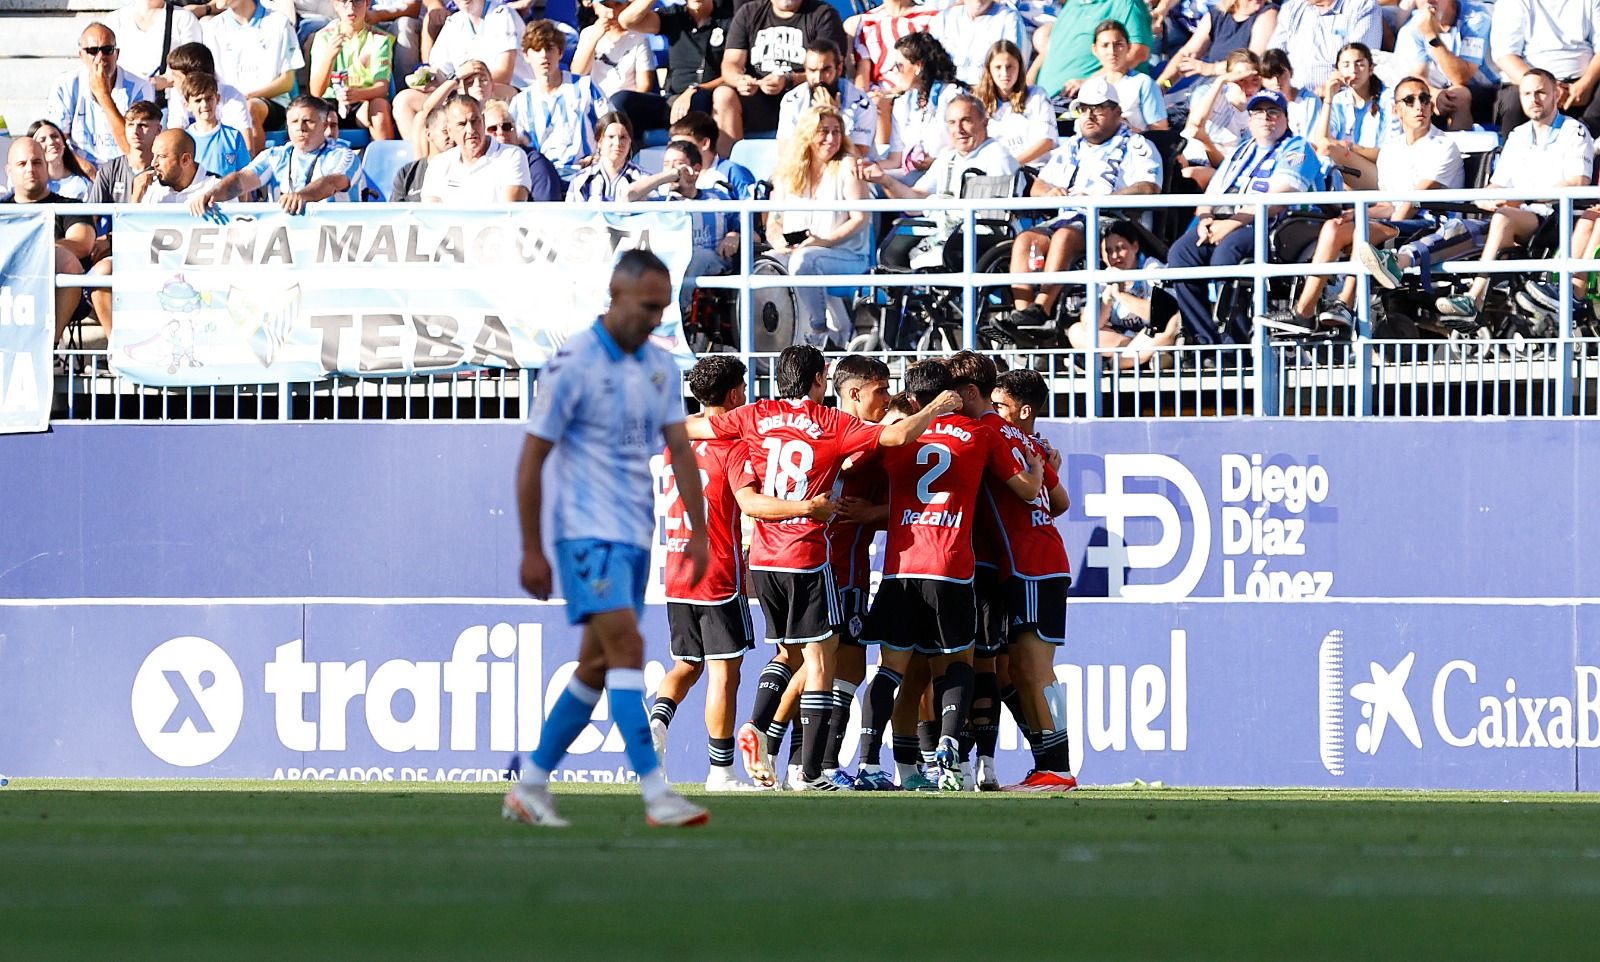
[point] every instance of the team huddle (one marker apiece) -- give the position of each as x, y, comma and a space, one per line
974, 590
975, 574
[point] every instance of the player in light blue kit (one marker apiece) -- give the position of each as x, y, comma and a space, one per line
604, 404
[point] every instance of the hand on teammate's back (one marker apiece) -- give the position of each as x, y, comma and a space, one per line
823, 508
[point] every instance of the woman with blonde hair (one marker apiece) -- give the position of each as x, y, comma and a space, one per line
818, 164
1020, 115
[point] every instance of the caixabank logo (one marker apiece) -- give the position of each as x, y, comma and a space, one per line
1386, 695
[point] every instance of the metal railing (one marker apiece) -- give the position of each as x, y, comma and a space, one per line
1266, 377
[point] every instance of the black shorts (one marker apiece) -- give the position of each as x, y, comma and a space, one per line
925, 615
990, 596
760, 112
1038, 605
710, 632
800, 607
853, 615
277, 116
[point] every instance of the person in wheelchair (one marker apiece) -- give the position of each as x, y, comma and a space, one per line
1420, 158
1550, 150
1134, 317
716, 234
819, 163
1271, 161
1104, 156
971, 149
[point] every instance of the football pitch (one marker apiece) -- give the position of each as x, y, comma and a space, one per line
261, 870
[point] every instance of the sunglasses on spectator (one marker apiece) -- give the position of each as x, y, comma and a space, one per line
1412, 100
505, 128
105, 49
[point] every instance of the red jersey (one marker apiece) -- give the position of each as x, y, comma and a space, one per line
933, 494
849, 544
878, 31
796, 448
1027, 540
724, 469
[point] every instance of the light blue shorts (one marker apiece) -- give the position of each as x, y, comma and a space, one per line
599, 576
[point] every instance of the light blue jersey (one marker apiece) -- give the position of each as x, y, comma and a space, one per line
72, 108
283, 168
561, 124
604, 410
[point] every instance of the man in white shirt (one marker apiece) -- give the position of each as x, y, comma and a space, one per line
306, 169
971, 148
141, 26
1102, 157
824, 79
969, 28
1560, 36
479, 169
88, 103
174, 177
256, 51
1550, 150
1313, 32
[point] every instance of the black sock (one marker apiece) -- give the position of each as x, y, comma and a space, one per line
927, 740
721, 752
663, 710
837, 723
797, 739
953, 693
905, 750
774, 736
876, 709
770, 687
986, 713
1012, 699
815, 709
1054, 756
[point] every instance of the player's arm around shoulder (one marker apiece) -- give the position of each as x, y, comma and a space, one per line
1028, 482
902, 432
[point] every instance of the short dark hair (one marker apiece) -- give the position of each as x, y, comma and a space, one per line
198, 84
636, 263
464, 100
823, 45
308, 102
1405, 81
1025, 387
713, 376
1111, 26
191, 58
1125, 229
689, 148
970, 367
697, 125
1275, 63
857, 367
1541, 72
798, 368
144, 110
904, 403
925, 380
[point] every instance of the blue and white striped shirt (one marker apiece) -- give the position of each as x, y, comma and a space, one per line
604, 410
561, 124
72, 108
284, 169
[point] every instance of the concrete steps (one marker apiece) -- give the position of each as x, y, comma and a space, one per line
38, 43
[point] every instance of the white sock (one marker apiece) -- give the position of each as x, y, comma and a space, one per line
654, 786
905, 770
534, 775
722, 771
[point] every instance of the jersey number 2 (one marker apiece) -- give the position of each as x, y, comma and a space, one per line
937, 457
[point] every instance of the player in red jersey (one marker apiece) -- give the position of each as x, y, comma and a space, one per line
797, 447
709, 617
925, 603
1035, 561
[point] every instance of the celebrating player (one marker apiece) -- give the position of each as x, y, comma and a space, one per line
925, 604
1035, 567
709, 616
797, 446
607, 398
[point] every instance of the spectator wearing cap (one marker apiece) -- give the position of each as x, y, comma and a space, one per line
1103, 156
1312, 31
479, 170
696, 33
765, 56
88, 104
825, 85
1559, 36
256, 51
968, 28
1271, 161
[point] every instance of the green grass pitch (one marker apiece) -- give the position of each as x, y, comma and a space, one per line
257, 870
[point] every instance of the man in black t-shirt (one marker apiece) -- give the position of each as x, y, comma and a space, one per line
765, 56
30, 177
695, 33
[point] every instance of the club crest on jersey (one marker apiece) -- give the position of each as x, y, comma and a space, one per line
657, 379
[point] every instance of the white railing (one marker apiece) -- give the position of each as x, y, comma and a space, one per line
1261, 378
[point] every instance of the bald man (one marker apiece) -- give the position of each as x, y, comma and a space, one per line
174, 176
30, 177
88, 103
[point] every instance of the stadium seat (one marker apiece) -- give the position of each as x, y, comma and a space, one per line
379, 163
649, 159
760, 156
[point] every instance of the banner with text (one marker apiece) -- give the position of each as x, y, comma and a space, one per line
27, 321
268, 297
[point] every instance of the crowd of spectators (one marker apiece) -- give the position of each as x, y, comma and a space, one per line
203, 103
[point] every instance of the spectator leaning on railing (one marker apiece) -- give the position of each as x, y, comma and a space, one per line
88, 103
479, 170
1271, 161
1103, 157
305, 169
1550, 150
1419, 157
